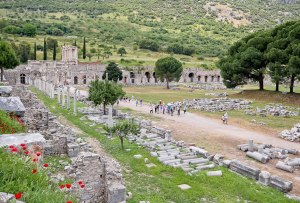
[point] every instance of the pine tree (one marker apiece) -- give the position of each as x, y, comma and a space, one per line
54, 52
45, 49
84, 49
34, 51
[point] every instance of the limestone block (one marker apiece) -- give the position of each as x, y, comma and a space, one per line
12, 105
26, 138
137, 156
199, 151
264, 178
214, 173
5, 91
154, 154
244, 169
294, 162
205, 167
116, 193
281, 165
184, 187
73, 149
258, 156
280, 184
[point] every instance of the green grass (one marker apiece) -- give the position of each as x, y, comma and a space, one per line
159, 184
16, 176
9, 125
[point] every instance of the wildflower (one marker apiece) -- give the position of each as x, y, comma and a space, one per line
22, 145
82, 185
80, 182
68, 185
38, 153
26, 152
11, 146
35, 160
62, 186
18, 195
14, 150
46, 165
34, 171
69, 201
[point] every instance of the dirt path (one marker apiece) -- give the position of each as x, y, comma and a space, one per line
219, 138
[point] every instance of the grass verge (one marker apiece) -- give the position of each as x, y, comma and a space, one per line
160, 184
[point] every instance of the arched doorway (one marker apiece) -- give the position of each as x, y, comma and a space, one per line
75, 80
199, 78
205, 78
125, 80
154, 76
22, 78
218, 78
191, 76
212, 78
148, 76
132, 76
84, 79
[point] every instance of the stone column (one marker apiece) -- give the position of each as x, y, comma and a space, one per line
75, 102
68, 97
110, 120
58, 95
63, 97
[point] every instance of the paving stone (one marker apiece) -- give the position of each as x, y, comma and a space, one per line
184, 187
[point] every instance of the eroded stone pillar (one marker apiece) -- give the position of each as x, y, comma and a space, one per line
110, 119
58, 95
63, 97
68, 98
75, 102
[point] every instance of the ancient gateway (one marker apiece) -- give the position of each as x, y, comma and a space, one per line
71, 72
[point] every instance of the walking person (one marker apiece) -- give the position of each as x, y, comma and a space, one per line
178, 110
226, 118
184, 109
151, 108
136, 102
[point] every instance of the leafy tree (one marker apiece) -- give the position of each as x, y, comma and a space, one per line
45, 50
107, 52
51, 43
24, 52
122, 129
294, 70
34, 51
84, 49
8, 57
168, 69
105, 92
29, 30
179, 49
90, 56
122, 51
149, 44
57, 32
114, 72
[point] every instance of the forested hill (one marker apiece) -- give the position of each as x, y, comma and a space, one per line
202, 28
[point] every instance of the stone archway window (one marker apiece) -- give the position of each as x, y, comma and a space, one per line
191, 76
218, 79
75, 80
84, 79
22, 78
132, 75
125, 79
154, 77
205, 78
212, 78
148, 76
199, 78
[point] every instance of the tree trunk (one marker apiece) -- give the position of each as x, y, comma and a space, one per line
277, 86
104, 109
168, 87
261, 81
292, 84
2, 72
122, 144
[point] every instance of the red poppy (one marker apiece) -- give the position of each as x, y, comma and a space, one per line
69, 201
46, 165
62, 186
22, 145
68, 185
26, 152
34, 171
18, 195
80, 182
11, 146
82, 186
35, 160
14, 150
38, 153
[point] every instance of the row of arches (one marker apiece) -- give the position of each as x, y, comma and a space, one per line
76, 80
206, 78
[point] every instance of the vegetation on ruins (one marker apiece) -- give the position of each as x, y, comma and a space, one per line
8, 57
122, 129
168, 69
113, 71
10, 124
274, 51
105, 92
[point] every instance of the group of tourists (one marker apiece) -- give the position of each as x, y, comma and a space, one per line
170, 108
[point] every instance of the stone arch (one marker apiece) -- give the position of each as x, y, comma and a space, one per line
212, 78
154, 76
125, 79
199, 78
22, 78
205, 78
148, 76
218, 78
84, 79
132, 77
191, 76
75, 80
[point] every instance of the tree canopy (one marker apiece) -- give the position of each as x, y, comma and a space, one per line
122, 51
105, 92
168, 69
114, 72
8, 57
275, 52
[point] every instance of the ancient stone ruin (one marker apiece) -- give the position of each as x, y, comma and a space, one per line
292, 135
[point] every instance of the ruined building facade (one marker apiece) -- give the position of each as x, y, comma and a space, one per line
71, 72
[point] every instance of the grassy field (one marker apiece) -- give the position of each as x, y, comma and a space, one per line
159, 184
259, 98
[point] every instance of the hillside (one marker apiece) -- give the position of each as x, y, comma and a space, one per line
203, 29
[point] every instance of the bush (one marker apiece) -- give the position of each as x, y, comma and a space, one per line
149, 44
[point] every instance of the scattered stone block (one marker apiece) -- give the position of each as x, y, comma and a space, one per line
258, 156
244, 169
184, 187
5, 91
281, 165
26, 138
214, 173
137, 156
281, 184
264, 178
150, 165
12, 105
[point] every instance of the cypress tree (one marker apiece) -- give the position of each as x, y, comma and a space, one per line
84, 49
75, 43
34, 51
45, 49
54, 52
